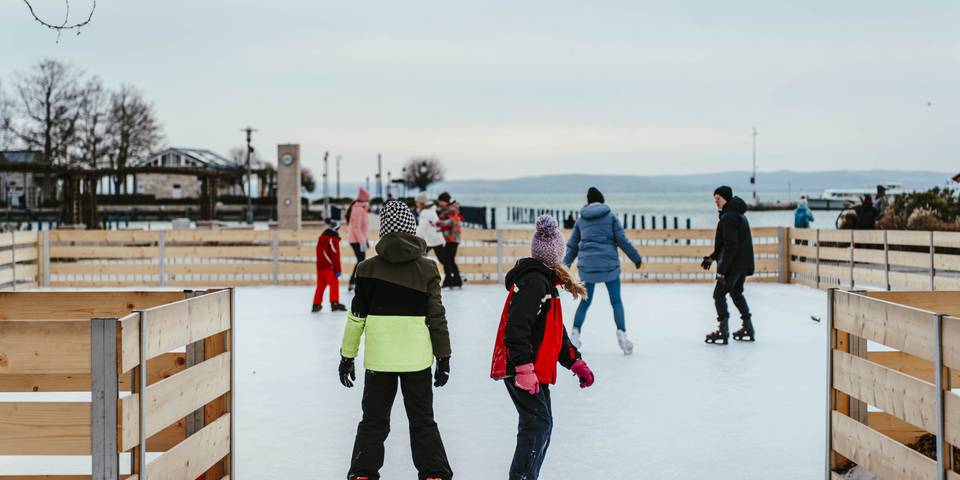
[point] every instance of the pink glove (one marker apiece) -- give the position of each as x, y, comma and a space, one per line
581, 370
527, 379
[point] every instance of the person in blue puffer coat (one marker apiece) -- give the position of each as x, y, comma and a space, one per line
596, 236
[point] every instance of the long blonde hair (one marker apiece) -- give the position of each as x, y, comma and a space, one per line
568, 283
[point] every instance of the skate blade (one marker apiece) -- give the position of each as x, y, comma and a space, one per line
716, 342
745, 339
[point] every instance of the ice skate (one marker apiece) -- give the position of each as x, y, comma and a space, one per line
746, 332
316, 308
721, 336
625, 344
337, 307
575, 337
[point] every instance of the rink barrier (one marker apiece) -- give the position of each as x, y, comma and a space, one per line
881, 399
876, 259
188, 258
126, 350
19, 260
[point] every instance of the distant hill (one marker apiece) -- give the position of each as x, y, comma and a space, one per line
811, 182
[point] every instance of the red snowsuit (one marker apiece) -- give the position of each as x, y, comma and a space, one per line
328, 266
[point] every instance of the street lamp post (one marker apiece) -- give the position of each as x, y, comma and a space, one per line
249, 216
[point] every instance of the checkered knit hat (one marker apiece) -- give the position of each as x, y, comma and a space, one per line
547, 245
395, 216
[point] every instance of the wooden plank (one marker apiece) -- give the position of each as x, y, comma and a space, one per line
905, 237
946, 283
946, 239
667, 235
79, 305
869, 276
104, 236
172, 399
910, 365
213, 346
180, 323
246, 252
910, 259
879, 454
874, 237
835, 236
861, 255
219, 236
104, 268
28, 253
808, 234
896, 326
161, 367
44, 347
894, 428
195, 455
907, 398
934, 302
941, 261
804, 268
835, 254
45, 428
803, 251
60, 252
220, 268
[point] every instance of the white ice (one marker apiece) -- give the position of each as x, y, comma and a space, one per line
676, 409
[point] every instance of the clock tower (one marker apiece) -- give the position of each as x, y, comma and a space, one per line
288, 187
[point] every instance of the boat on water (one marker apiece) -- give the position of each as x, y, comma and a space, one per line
840, 198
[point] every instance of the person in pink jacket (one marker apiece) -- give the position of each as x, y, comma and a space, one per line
357, 221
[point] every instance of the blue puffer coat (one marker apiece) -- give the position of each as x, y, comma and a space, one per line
595, 239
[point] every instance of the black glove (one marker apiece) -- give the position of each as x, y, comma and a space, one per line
638, 264
706, 263
442, 374
347, 372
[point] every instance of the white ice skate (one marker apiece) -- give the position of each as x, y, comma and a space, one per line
625, 344
575, 337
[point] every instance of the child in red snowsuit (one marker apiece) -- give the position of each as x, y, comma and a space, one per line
328, 270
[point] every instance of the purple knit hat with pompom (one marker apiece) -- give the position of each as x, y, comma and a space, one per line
548, 245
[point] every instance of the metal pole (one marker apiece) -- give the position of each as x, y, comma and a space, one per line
338, 175
933, 267
249, 131
938, 379
500, 256
852, 238
326, 185
886, 261
233, 383
818, 258
831, 295
753, 179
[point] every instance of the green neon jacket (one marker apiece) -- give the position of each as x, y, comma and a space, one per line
397, 308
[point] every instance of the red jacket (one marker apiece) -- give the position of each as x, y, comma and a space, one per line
328, 251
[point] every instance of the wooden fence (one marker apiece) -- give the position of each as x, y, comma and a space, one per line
880, 401
187, 258
877, 259
19, 252
178, 404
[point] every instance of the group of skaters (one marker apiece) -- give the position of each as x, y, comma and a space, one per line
397, 310
439, 224
861, 216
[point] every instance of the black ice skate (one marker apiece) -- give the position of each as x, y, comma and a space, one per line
338, 307
746, 332
721, 336
316, 308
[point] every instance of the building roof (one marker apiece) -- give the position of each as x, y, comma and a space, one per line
20, 156
201, 157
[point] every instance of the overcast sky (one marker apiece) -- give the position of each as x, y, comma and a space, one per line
501, 89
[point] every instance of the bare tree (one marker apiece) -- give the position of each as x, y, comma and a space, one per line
6, 112
239, 157
421, 172
307, 181
46, 109
132, 127
65, 25
92, 143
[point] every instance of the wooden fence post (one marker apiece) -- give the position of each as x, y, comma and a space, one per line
13, 258
104, 390
194, 421
162, 246
831, 344
886, 261
500, 256
938, 370
275, 252
46, 258
783, 251
933, 267
852, 238
818, 258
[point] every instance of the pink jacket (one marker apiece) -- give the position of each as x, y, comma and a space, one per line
358, 223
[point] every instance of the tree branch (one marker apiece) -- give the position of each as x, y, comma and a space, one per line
60, 28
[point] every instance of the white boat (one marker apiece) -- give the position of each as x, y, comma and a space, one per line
839, 198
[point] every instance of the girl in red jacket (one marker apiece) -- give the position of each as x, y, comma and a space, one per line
328, 269
531, 341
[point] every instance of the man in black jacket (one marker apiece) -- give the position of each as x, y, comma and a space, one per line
733, 252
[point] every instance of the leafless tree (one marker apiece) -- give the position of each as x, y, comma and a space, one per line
46, 109
92, 139
307, 181
239, 157
6, 111
421, 172
132, 128
65, 25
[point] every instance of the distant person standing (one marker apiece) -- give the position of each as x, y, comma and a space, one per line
881, 201
451, 228
866, 214
427, 227
358, 222
328, 269
802, 216
733, 252
595, 239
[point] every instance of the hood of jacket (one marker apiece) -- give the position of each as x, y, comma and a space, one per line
399, 247
594, 210
525, 266
331, 232
735, 205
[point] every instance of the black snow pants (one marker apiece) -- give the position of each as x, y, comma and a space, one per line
533, 430
451, 272
379, 391
731, 284
361, 256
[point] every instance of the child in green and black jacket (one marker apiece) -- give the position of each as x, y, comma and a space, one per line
397, 306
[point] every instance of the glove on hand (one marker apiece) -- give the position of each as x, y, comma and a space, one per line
527, 379
638, 264
706, 263
583, 372
347, 372
442, 373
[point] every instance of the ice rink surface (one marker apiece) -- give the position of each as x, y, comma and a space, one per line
676, 409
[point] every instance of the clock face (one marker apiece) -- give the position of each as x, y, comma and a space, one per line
286, 159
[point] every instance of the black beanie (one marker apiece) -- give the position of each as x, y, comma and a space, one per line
444, 197
594, 195
725, 192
